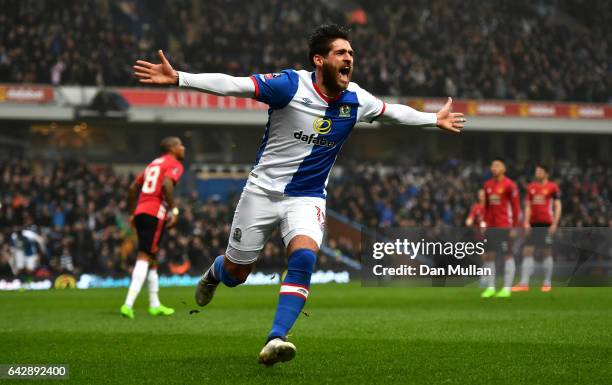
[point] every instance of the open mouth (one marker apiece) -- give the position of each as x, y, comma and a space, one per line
345, 70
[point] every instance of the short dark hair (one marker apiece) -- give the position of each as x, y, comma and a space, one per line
499, 159
321, 38
167, 143
543, 167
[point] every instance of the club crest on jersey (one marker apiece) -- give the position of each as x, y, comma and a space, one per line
322, 126
237, 234
344, 111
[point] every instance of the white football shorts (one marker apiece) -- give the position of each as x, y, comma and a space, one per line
259, 212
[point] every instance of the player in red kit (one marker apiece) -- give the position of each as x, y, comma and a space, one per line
542, 214
155, 211
476, 216
502, 212
476, 220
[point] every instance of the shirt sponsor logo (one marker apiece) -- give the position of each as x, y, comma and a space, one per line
539, 199
322, 126
312, 139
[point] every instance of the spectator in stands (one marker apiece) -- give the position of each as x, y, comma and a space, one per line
91, 234
505, 49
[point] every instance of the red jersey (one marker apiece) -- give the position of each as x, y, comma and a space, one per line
151, 199
502, 206
540, 197
477, 214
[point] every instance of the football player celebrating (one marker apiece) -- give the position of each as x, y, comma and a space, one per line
502, 211
311, 115
156, 185
542, 214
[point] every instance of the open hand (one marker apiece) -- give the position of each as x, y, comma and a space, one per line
451, 121
150, 73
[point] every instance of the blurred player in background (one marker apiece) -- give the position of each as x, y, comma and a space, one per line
502, 212
542, 214
156, 185
476, 217
476, 220
311, 115
27, 247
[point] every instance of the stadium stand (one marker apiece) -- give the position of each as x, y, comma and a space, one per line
461, 48
435, 194
79, 209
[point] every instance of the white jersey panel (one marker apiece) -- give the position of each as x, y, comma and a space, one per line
305, 131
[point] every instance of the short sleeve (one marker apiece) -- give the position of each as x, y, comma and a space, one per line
556, 192
276, 89
371, 107
174, 172
529, 195
513, 190
140, 178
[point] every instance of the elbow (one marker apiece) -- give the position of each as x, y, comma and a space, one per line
165, 190
133, 188
167, 186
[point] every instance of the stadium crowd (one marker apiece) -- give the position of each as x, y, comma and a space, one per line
435, 194
540, 50
79, 210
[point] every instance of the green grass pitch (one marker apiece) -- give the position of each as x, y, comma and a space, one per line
353, 335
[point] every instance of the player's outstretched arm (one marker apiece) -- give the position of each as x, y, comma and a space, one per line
444, 119
212, 83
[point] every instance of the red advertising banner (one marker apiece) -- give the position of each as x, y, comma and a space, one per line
193, 99
187, 99
25, 94
517, 109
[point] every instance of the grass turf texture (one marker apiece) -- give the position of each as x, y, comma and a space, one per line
352, 335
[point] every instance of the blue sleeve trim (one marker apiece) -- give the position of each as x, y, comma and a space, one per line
276, 89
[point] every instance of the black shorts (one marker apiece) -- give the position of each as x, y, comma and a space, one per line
498, 241
150, 230
538, 236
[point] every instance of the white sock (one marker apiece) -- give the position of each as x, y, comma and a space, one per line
509, 270
490, 278
153, 282
138, 277
547, 264
526, 270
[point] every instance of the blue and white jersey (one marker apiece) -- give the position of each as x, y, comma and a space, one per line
305, 131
